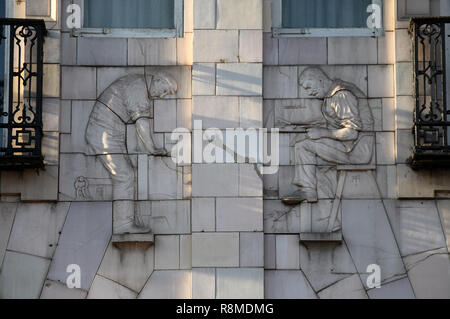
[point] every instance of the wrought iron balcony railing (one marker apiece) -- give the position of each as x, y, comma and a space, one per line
21, 93
432, 109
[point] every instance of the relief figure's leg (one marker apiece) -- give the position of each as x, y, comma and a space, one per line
124, 209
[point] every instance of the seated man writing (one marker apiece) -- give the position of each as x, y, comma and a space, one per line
344, 139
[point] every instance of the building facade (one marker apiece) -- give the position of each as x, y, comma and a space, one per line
353, 97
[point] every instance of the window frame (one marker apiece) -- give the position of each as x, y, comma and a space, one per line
279, 31
176, 32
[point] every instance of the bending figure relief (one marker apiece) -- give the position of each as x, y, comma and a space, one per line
346, 137
126, 101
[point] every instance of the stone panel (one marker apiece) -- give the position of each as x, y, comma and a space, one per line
22, 276
239, 79
37, 227
129, 266
239, 214
203, 214
240, 283
348, 288
215, 250
103, 288
222, 46
352, 50
168, 284
251, 250
237, 14
204, 79
287, 284
167, 252
280, 82
399, 289
78, 83
83, 241
203, 283
204, 14
302, 51
250, 46
56, 290
102, 51
215, 180
287, 252
7, 213
152, 51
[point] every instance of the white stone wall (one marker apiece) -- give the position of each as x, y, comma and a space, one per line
221, 230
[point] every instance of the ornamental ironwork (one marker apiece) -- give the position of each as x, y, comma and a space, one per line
21, 100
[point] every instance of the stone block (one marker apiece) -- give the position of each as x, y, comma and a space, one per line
250, 46
399, 289
279, 218
68, 49
204, 79
50, 114
404, 78
166, 217
167, 252
429, 278
203, 283
239, 79
416, 225
385, 148
83, 178
270, 49
7, 214
287, 284
223, 46
302, 51
165, 113
404, 112
270, 184
184, 113
52, 46
56, 290
168, 284
216, 111
209, 180
165, 179
403, 47
78, 83
348, 288
287, 252
251, 250
83, 241
370, 239
250, 182
185, 251
386, 48
360, 185
280, 82
51, 81
381, 80
152, 51
240, 283
22, 276
341, 50
325, 263
76, 141
47, 179
103, 288
203, 214
102, 51
107, 75
65, 118
388, 114
239, 214
386, 180
37, 227
188, 15
128, 266
236, 14
270, 252
250, 110
204, 14
215, 250
185, 49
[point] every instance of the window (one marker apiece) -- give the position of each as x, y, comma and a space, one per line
431, 38
21, 43
319, 18
132, 18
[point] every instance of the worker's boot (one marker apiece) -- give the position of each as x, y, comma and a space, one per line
124, 221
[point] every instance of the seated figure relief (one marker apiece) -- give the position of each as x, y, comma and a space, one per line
126, 101
341, 135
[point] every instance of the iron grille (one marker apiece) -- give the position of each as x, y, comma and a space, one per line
21, 106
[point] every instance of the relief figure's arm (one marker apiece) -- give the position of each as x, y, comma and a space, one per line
144, 133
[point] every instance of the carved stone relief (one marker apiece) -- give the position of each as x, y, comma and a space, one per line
127, 101
337, 135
